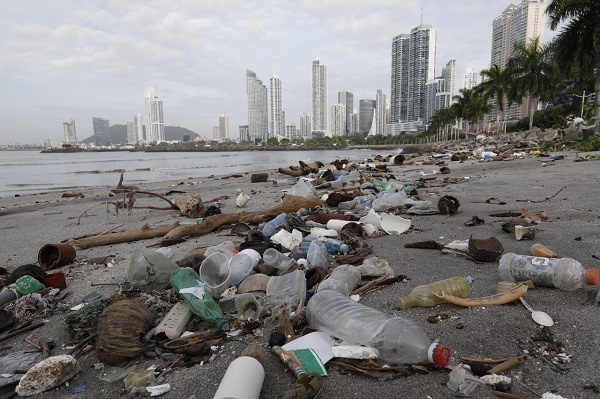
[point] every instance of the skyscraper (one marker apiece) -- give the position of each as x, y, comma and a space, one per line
470, 79
319, 97
223, 127
413, 65
277, 119
517, 24
347, 99
101, 131
70, 132
135, 131
338, 120
439, 91
366, 112
305, 129
258, 115
381, 114
155, 124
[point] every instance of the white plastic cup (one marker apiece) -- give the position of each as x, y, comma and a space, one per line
337, 225
215, 274
241, 266
253, 254
242, 200
243, 379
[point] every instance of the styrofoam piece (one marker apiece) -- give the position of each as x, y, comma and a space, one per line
372, 218
393, 224
175, 321
355, 352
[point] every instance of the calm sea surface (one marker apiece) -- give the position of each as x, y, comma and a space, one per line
31, 172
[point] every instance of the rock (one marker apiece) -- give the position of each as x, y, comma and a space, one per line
48, 374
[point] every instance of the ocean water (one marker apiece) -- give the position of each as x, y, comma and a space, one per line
31, 172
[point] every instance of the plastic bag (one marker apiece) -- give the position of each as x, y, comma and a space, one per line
150, 269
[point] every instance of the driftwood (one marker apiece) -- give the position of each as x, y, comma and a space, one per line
290, 203
190, 205
290, 172
142, 233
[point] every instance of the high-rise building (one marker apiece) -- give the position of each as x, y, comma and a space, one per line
338, 120
258, 114
135, 130
366, 111
70, 132
347, 99
277, 118
215, 134
244, 133
413, 65
381, 113
291, 132
224, 127
517, 24
101, 131
470, 79
439, 91
305, 129
155, 123
319, 97
449, 76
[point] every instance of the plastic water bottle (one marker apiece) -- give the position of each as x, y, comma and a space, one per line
343, 279
345, 179
425, 295
284, 264
397, 339
388, 201
273, 225
564, 273
316, 255
201, 303
331, 244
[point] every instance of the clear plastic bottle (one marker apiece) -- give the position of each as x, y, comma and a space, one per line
273, 225
343, 279
397, 339
284, 264
331, 244
342, 180
425, 295
205, 306
564, 273
389, 200
316, 255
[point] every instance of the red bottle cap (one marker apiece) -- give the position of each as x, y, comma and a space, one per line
591, 277
439, 354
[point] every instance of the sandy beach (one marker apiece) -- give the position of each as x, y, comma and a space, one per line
565, 190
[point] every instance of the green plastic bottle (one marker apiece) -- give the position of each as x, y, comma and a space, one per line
425, 295
205, 306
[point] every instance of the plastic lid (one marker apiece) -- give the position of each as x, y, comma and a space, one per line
439, 354
591, 277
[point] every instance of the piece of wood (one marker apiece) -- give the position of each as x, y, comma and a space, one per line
190, 205
20, 331
142, 233
507, 365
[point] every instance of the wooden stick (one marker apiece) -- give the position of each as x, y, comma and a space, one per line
21, 330
142, 233
507, 365
111, 229
485, 361
82, 343
510, 395
369, 285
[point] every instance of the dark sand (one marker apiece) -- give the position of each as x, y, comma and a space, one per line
572, 230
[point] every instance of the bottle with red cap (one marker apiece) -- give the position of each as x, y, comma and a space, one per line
563, 273
397, 339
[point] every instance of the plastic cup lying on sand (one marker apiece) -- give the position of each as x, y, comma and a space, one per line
215, 274
241, 266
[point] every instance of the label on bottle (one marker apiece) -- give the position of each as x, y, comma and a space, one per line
198, 292
539, 261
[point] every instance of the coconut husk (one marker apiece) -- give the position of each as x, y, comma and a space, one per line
121, 328
448, 205
485, 250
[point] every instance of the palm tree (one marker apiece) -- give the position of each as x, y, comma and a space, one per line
532, 73
477, 108
579, 40
496, 84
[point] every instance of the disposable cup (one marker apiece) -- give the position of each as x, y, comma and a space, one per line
242, 200
215, 274
241, 266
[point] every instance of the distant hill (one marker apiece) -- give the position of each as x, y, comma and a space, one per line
118, 134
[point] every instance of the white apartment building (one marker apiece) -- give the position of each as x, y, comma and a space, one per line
319, 97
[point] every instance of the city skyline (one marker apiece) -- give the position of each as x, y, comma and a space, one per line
75, 61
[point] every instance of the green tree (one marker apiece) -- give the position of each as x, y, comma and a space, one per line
532, 73
578, 43
461, 107
496, 85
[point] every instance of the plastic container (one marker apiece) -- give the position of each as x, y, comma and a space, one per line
242, 380
215, 274
389, 201
286, 293
248, 306
316, 255
397, 339
343, 279
563, 273
28, 285
150, 269
273, 225
227, 248
279, 261
241, 265
345, 179
424, 295
55, 280
200, 301
330, 243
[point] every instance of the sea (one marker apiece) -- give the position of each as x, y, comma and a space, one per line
33, 172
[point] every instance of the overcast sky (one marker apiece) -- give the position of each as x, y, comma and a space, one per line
64, 59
